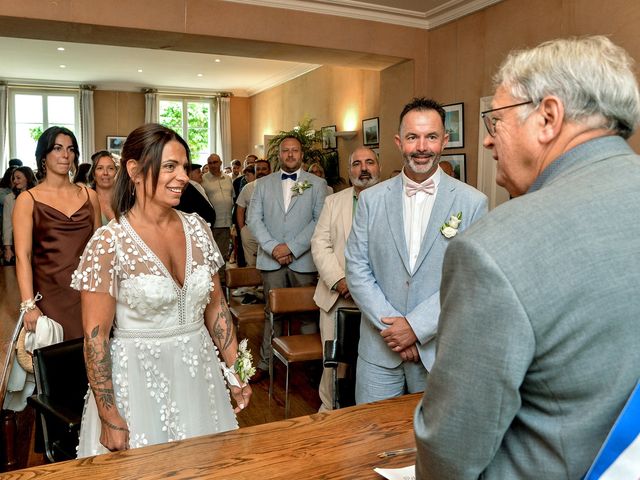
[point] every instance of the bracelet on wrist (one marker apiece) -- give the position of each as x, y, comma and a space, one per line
30, 304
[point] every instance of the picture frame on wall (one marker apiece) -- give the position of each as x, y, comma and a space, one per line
454, 124
329, 140
455, 166
371, 131
114, 144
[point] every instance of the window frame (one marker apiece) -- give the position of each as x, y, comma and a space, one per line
185, 100
44, 94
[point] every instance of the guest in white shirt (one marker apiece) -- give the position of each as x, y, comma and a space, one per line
249, 242
219, 189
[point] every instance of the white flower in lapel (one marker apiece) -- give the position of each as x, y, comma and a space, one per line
450, 228
299, 188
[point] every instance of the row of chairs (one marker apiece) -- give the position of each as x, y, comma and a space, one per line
61, 377
291, 349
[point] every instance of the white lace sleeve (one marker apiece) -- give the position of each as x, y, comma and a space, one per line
98, 267
203, 240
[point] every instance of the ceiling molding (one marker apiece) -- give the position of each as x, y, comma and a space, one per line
427, 20
280, 79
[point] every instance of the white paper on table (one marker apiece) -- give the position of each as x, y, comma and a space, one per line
404, 473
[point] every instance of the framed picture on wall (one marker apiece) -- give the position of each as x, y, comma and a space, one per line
455, 166
329, 140
454, 124
114, 144
371, 131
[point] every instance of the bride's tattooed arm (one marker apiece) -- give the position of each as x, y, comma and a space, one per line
98, 311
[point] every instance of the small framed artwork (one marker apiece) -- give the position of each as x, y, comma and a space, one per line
371, 131
455, 166
329, 140
114, 144
454, 124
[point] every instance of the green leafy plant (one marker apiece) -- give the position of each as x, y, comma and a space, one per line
311, 141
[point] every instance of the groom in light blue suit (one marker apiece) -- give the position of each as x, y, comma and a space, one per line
285, 207
394, 257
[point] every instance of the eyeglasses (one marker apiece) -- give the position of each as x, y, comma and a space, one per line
490, 121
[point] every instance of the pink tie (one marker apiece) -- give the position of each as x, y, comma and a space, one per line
428, 187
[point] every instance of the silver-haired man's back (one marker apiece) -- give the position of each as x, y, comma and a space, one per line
537, 347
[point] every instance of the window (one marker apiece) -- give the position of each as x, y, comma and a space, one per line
192, 119
32, 112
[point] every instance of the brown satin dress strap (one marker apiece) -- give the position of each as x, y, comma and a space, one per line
58, 242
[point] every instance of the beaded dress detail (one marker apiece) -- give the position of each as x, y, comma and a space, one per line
166, 371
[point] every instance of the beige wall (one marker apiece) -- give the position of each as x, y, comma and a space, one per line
330, 95
116, 113
463, 55
240, 112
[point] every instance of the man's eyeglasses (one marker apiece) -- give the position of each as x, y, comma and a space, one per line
490, 121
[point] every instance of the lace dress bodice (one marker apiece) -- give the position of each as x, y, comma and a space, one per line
118, 262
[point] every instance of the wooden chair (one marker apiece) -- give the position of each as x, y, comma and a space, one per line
341, 352
61, 381
292, 348
243, 277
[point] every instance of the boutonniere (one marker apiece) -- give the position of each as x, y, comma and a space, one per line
299, 188
450, 228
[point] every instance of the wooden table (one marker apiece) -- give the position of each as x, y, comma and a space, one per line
342, 444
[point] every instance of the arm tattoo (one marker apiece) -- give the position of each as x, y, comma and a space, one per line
223, 327
112, 426
98, 362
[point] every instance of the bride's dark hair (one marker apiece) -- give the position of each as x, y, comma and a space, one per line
144, 145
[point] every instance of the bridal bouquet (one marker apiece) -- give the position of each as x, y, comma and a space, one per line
243, 365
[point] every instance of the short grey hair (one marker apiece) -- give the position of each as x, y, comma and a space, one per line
375, 155
591, 75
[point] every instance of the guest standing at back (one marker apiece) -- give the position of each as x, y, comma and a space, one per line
52, 223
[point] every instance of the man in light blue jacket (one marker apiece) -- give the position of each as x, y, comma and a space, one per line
394, 257
285, 207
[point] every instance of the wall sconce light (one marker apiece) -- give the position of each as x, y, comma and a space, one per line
346, 134
258, 146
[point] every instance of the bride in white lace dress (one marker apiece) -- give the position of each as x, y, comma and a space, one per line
151, 275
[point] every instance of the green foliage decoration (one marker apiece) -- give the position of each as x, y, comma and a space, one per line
309, 138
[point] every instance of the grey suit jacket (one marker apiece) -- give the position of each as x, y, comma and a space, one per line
378, 272
537, 348
271, 225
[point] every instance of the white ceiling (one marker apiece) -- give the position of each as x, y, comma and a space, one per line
108, 67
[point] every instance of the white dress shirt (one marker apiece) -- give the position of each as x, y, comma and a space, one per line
287, 185
220, 193
416, 211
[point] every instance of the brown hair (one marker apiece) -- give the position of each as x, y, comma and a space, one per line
144, 145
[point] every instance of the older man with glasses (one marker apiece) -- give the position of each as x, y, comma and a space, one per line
537, 348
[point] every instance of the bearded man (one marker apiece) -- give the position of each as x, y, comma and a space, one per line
327, 248
394, 257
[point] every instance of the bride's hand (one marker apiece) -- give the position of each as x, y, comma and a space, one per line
115, 434
241, 396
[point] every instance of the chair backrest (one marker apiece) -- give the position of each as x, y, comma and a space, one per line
347, 336
243, 277
292, 300
60, 372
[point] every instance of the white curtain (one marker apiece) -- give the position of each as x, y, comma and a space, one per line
87, 123
4, 131
223, 130
150, 106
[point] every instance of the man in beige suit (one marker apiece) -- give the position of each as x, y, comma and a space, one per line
327, 247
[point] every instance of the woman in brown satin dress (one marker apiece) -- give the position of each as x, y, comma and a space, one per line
52, 223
